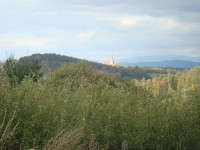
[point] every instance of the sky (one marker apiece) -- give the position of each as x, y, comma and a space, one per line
96, 29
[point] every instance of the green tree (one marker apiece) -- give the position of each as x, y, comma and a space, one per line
10, 69
18, 70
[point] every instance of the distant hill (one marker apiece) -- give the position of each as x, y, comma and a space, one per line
159, 59
169, 63
51, 62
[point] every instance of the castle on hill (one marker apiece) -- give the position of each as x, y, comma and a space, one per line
111, 62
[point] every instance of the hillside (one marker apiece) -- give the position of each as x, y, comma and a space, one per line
169, 63
79, 107
51, 62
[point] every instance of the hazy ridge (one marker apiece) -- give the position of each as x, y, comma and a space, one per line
162, 61
169, 63
137, 59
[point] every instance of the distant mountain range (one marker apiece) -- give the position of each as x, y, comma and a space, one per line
158, 58
169, 63
161, 61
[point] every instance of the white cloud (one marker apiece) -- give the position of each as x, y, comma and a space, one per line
187, 52
28, 43
128, 22
85, 35
169, 23
190, 27
109, 39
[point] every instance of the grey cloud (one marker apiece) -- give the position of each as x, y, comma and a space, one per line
182, 10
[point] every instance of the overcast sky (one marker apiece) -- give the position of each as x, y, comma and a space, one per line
96, 29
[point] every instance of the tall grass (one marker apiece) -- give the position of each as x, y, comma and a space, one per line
7, 130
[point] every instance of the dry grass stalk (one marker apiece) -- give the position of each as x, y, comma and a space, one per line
94, 145
6, 131
71, 141
66, 141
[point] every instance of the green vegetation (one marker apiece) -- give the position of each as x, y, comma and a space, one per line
79, 107
51, 62
17, 71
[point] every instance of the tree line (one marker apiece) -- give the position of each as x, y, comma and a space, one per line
51, 62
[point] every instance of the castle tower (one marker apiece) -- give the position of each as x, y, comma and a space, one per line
112, 62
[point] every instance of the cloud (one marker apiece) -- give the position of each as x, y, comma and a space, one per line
169, 23
128, 22
188, 52
28, 43
85, 35
144, 27
176, 25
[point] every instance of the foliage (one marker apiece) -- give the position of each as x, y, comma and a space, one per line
17, 71
51, 62
158, 113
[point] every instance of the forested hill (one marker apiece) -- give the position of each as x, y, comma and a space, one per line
51, 62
